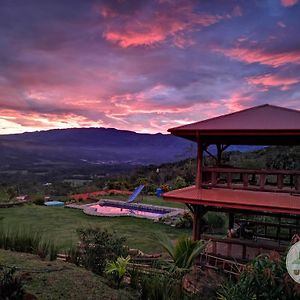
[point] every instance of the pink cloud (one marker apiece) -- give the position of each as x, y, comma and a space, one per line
270, 80
154, 27
281, 24
261, 56
238, 101
288, 3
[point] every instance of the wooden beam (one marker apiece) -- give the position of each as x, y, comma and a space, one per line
199, 212
199, 164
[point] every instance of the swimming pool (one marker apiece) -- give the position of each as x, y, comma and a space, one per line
54, 203
114, 208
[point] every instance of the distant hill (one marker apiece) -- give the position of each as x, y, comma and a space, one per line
62, 153
91, 146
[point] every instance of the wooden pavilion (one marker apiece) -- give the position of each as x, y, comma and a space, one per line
233, 190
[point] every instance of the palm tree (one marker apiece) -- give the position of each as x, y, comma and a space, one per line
183, 252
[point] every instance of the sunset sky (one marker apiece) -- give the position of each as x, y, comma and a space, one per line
143, 65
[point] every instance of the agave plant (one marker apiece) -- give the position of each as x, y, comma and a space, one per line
183, 252
118, 269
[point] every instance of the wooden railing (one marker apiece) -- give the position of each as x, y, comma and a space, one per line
263, 180
277, 231
242, 250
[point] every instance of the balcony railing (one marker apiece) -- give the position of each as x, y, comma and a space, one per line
263, 180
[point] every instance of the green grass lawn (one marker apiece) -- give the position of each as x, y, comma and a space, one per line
60, 280
60, 224
153, 200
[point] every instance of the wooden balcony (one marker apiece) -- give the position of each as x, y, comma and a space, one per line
238, 199
287, 181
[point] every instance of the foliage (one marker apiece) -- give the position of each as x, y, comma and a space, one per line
21, 240
265, 278
98, 247
39, 200
186, 221
215, 220
61, 280
183, 253
73, 255
179, 182
160, 287
11, 287
47, 248
24, 240
118, 269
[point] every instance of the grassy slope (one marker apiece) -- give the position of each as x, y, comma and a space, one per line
61, 224
67, 282
152, 200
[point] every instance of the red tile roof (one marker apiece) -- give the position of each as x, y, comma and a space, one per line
264, 117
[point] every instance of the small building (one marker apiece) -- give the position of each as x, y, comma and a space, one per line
231, 190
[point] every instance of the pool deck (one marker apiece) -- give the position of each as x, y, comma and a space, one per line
170, 211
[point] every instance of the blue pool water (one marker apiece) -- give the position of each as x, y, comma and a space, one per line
54, 203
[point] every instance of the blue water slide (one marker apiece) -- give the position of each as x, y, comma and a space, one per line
135, 193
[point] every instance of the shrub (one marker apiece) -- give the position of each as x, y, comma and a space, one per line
20, 240
24, 240
118, 269
179, 183
183, 253
11, 287
215, 220
98, 247
186, 221
160, 287
265, 278
47, 248
39, 200
73, 255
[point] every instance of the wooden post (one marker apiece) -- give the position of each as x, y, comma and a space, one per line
245, 180
280, 181
231, 220
199, 212
199, 165
229, 180
262, 181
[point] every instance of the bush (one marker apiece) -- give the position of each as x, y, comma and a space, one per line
117, 269
47, 248
215, 220
186, 221
23, 240
11, 287
265, 278
73, 255
160, 287
39, 200
98, 247
20, 240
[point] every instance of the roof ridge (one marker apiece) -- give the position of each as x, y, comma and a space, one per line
221, 116
233, 113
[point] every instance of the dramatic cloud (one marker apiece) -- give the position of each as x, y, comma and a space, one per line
143, 65
262, 57
288, 3
151, 25
269, 80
